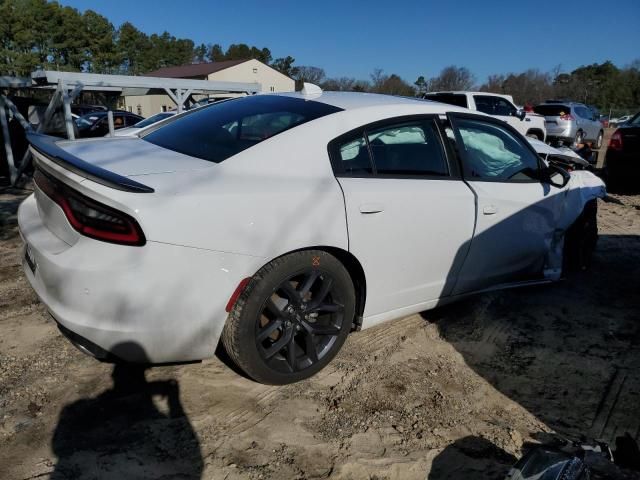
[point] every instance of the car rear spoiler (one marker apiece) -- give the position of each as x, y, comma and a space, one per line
46, 146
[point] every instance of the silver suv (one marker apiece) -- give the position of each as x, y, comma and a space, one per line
570, 123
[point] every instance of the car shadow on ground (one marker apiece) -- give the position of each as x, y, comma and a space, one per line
568, 352
136, 429
10, 199
471, 458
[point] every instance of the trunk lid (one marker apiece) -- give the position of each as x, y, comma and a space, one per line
553, 114
131, 156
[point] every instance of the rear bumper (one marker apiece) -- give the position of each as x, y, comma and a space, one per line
153, 304
559, 138
561, 133
623, 165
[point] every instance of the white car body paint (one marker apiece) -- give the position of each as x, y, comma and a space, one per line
208, 226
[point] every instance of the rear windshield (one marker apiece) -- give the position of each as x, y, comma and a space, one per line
450, 98
153, 119
223, 129
552, 110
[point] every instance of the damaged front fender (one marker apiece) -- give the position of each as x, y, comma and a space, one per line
582, 188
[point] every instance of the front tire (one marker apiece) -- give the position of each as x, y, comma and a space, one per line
292, 318
580, 239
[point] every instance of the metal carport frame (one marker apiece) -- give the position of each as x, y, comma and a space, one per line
67, 85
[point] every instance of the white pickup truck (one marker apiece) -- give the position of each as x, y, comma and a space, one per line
500, 106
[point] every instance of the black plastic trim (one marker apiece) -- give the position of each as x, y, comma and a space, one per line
47, 146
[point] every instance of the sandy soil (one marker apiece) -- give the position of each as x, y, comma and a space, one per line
454, 393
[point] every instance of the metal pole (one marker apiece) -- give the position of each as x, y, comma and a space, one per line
174, 98
7, 141
180, 99
110, 122
68, 119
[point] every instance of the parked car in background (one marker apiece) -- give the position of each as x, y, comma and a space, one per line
496, 105
280, 223
95, 124
84, 109
571, 123
622, 161
135, 128
615, 122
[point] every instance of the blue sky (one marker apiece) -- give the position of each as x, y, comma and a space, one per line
410, 38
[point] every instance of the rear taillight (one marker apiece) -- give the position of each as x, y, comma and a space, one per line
615, 142
567, 116
89, 217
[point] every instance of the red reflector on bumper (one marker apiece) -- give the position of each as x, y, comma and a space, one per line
236, 293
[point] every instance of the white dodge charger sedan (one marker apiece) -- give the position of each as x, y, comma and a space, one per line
280, 223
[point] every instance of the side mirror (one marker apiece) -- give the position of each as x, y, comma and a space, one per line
556, 176
521, 114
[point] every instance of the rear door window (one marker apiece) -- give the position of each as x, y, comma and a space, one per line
221, 130
412, 148
409, 149
354, 157
457, 99
485, 104
493, 105
584, 112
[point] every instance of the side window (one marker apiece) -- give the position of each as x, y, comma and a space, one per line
505, 108
131, 120
408, 149
354, 157
492, 152
584, 112
492, 105
118, 121
484, 104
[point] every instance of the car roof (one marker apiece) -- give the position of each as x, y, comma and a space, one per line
102, 113
562, 102
470, 92
359, 100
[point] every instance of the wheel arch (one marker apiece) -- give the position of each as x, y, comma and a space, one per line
355, 270
537, 132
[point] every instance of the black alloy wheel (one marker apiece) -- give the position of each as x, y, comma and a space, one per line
300, 322
292, 318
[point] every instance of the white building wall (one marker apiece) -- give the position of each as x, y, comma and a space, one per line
251, 71
254, 71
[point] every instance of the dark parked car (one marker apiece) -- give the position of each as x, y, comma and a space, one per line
622, 163
95, 124
81, 110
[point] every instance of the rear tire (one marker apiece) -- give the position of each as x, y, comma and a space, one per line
599, 140
292, 318
580, 239
579, 138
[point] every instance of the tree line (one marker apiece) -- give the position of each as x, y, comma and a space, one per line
43, 34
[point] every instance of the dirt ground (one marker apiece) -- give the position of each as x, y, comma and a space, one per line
453, 393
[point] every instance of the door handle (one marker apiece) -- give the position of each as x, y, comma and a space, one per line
489, 209
368, 208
